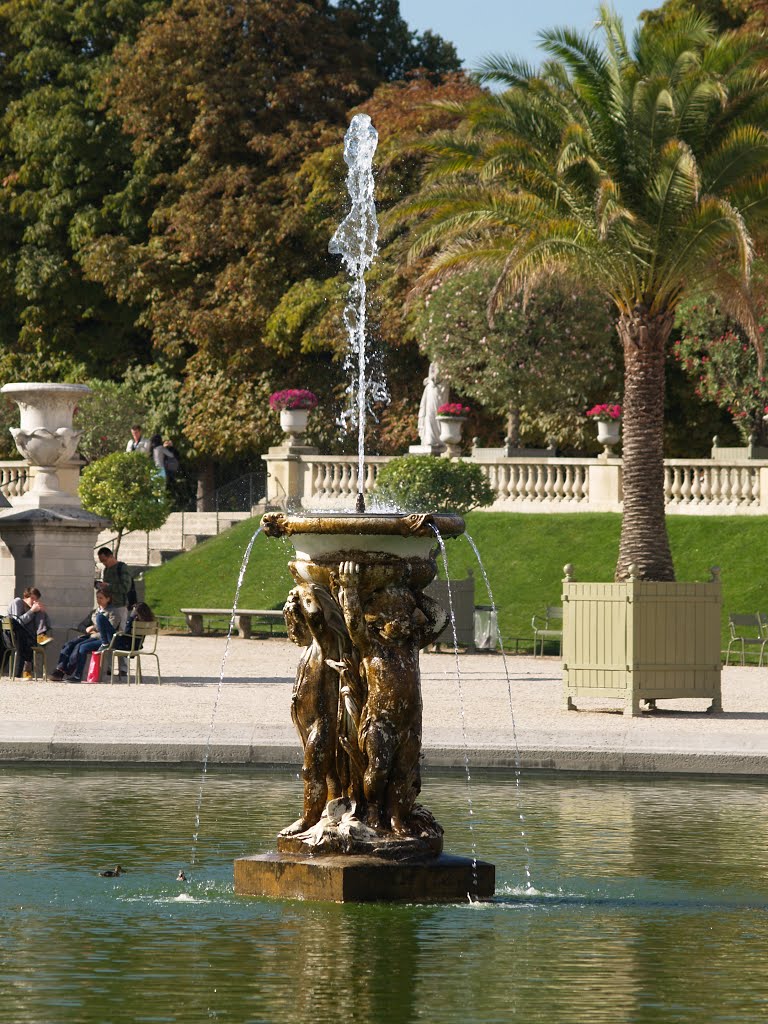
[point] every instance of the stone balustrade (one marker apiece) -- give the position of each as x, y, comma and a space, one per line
530, 484
535, 484
14, 478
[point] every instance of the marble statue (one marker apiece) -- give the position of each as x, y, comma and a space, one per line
434, 395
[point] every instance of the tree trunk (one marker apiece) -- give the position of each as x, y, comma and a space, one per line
512, 440
206, 487
644, 542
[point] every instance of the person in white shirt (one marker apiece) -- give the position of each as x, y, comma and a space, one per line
137, 442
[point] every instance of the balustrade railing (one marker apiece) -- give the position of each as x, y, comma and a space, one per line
551, 482
331, 481
713, 485
14, 478
544, 483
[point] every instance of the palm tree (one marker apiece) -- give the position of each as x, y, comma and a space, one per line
643, 168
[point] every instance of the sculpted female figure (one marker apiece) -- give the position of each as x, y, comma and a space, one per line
388, 633
314, 621
433, 396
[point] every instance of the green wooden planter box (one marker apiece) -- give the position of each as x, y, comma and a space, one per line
640, 641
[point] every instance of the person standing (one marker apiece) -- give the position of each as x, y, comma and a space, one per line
172, 462
138, 442
160, 455
115, 576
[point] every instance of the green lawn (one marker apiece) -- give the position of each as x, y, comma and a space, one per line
523, 555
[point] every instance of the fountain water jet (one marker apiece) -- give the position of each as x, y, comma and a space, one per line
360, 612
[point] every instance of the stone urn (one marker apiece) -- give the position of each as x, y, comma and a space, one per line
45, 437
450, 433
293, 422
608, 435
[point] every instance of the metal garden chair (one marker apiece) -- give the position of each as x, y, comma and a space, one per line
143, 644
551, 628
747, 630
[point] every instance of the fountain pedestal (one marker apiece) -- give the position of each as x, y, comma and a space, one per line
360, 612
361, 879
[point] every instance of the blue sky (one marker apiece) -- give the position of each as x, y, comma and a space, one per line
479, 27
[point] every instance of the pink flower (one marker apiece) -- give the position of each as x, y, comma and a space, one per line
604, 412
292, 398
453, 409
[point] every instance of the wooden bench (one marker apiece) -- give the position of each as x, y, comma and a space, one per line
243, 618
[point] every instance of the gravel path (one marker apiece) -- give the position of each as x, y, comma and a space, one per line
247, 719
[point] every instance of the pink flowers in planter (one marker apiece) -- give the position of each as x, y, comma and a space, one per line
453, 409
605, 412
292, 398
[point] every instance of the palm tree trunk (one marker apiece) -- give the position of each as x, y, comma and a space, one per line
644, 542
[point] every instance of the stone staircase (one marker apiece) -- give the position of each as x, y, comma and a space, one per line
181, 531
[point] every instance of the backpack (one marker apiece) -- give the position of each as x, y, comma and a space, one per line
132, 597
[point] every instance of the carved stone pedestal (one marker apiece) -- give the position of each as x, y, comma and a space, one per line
345, 879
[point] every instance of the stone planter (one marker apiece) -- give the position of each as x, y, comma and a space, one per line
45, 437
294, 423
641, 641
608, 435
450, 433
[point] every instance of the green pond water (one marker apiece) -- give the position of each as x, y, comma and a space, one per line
650, 904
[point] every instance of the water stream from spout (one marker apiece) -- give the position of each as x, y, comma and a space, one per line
444, 555
518, 758
355, 241
209, 739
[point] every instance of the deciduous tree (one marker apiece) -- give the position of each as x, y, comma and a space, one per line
125, 488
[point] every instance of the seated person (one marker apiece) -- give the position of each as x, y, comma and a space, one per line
31, 625
122, 642
141, 613
70, 664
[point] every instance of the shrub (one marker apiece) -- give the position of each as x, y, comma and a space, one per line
125, 488
424, 483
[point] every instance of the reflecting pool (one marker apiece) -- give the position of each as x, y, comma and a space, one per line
650, 904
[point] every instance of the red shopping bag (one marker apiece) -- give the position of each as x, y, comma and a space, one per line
94, 668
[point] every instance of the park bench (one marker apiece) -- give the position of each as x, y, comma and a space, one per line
244, 618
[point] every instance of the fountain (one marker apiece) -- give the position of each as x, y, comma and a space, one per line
360, 612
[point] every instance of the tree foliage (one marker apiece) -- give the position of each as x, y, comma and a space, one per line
545, 360
60, 153
222, 103
716, 353
724, 14
147, 395
398, 48
152, 185
425, 483
125, 488
638, 167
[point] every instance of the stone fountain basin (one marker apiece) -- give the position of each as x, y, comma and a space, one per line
390, 548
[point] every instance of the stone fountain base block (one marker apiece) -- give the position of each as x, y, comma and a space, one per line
356, 879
